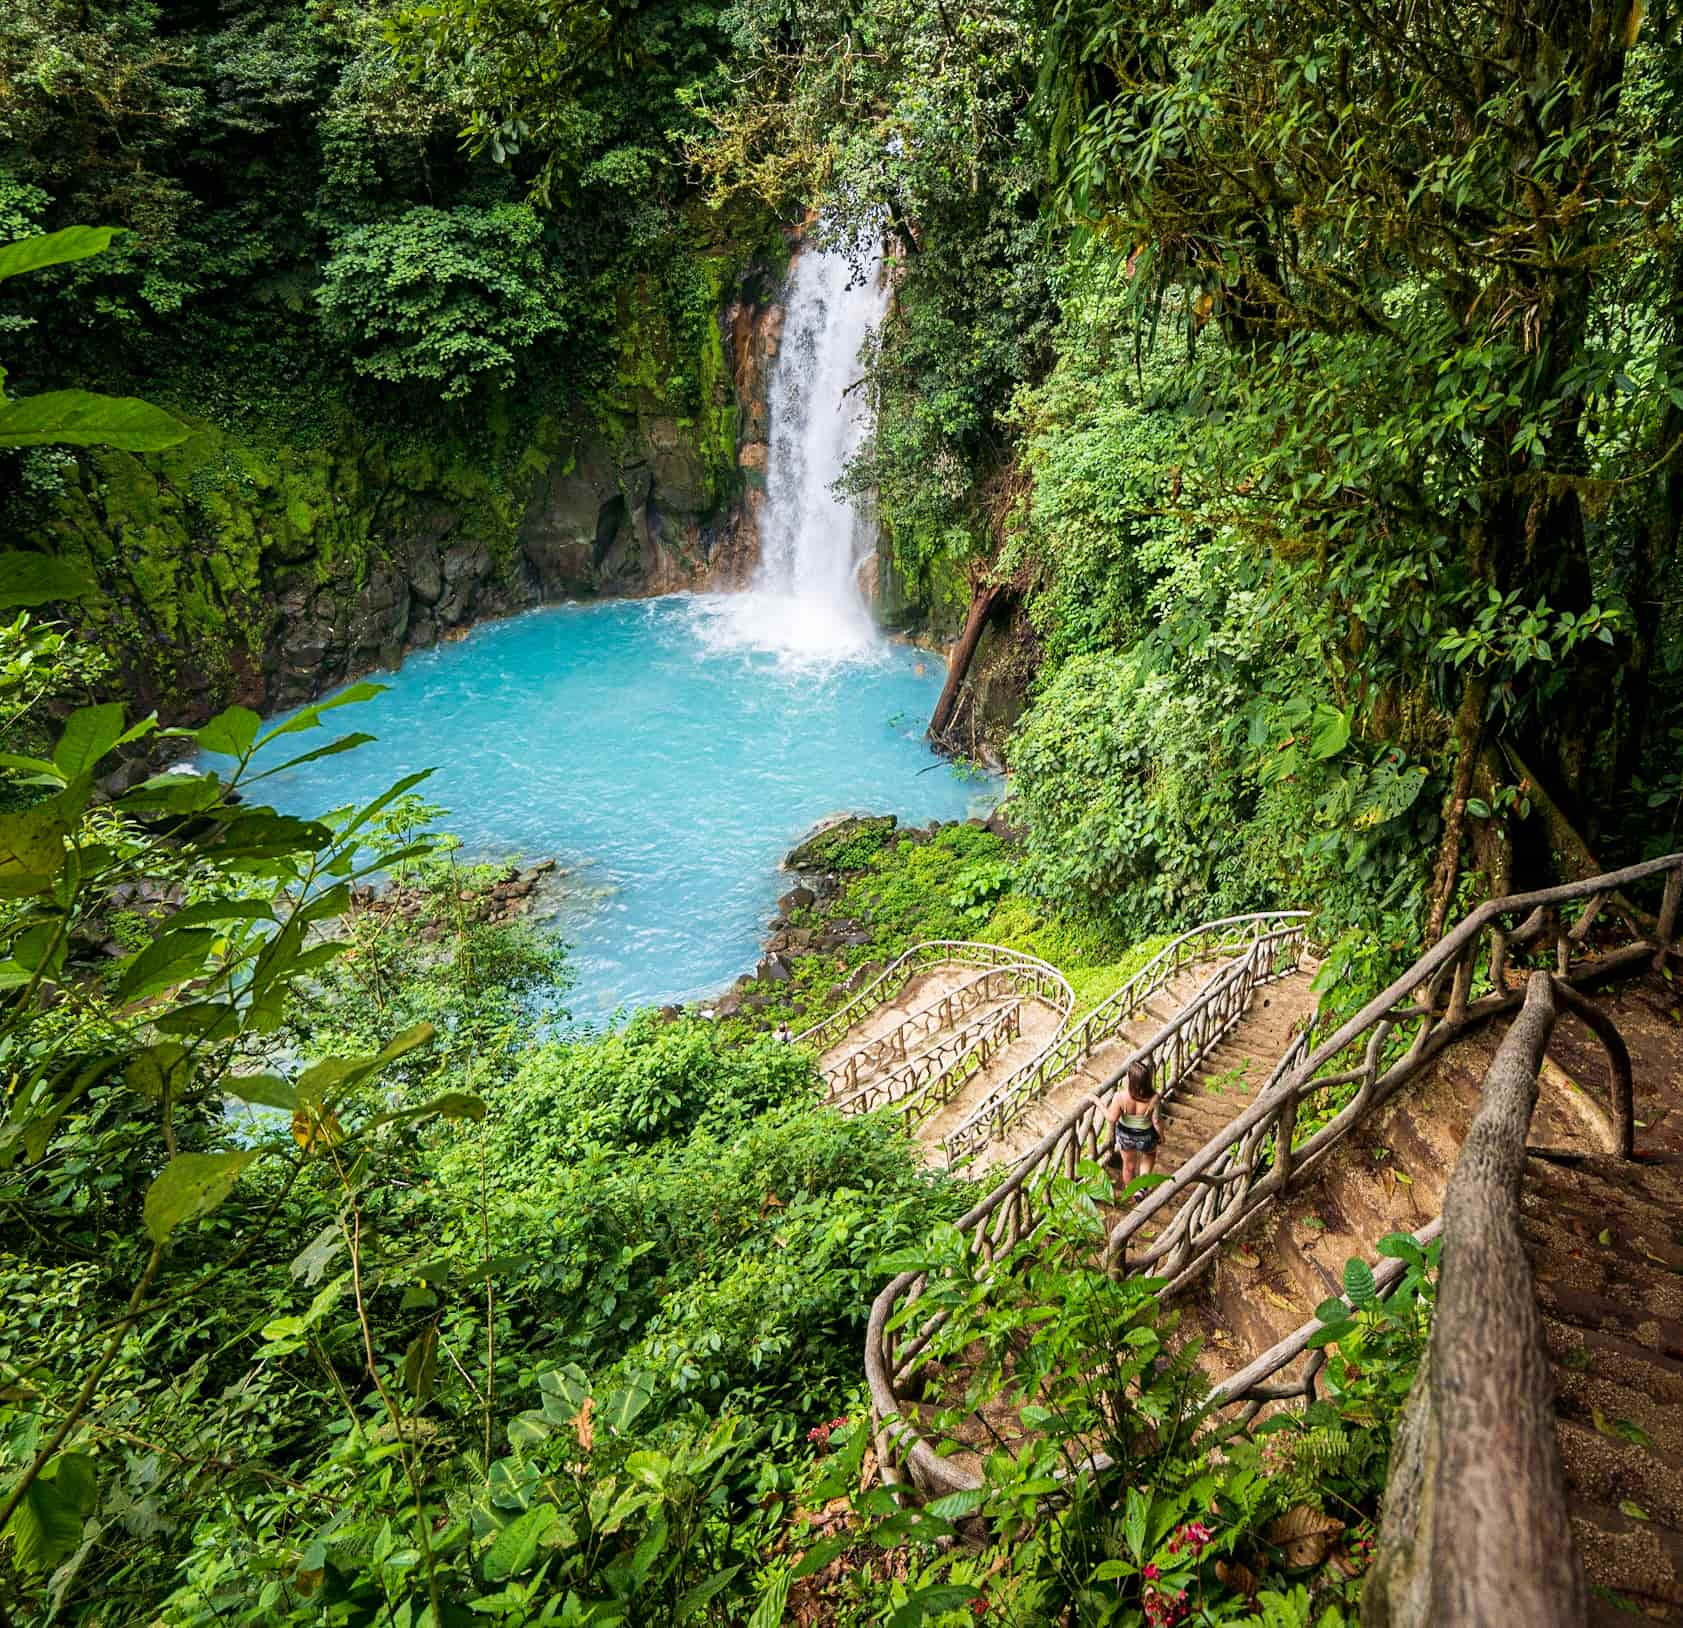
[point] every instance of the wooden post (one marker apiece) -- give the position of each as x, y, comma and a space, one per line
1670, 904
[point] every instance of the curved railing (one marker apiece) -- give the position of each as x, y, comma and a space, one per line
888, 984
987, 1034
1254, 1158
1014, 1096
1459, 983
896, 1045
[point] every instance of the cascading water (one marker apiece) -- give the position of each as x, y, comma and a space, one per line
806, 604
668, 773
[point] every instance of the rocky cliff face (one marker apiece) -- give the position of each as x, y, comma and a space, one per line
267, 574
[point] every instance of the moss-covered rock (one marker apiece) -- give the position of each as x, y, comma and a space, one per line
844, 844
267, 565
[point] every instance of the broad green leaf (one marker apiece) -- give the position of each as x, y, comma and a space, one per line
653, 1469
516, 1546
53, 249
1331, 732
172, 794
82, 419
220, 910
174, 956
265, 1090
88, 735
956, 1505
160, 1071
261, 834
231, 733
38, 767
189, 1186
39, 579
32, 847
47, 1526
312, 1260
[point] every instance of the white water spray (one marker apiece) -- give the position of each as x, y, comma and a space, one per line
806, 603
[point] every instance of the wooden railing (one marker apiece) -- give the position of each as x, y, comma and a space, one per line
1012, 1099
1461, 982
958, 1055
889, 984
1457, 985
1476, 1526
899, 1044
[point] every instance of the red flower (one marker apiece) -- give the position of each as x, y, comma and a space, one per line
1195, 1535
1151, 1573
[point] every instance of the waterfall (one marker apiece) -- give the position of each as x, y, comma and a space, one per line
806, 603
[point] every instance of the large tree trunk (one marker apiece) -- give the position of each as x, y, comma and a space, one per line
984, 599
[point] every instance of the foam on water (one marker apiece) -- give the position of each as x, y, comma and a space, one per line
668, 778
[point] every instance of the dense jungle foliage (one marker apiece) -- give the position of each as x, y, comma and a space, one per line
1287, 401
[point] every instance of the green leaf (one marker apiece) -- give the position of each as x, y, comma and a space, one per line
46, 772
189, 1186
160, 1071
88, 735
46, 1526
768, 1610
310, 717
231, 733
220, 910
517, 1544
32, 847
345, 743
931, 1601
386, 798
420, 1364
956, 1505
1359, 1287
53, 249
80, 418
694, 1599
31, 578
174, 956
265, 1090
1331, 732
312, 1260
172, 794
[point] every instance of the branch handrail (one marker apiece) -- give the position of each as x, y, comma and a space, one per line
944, 1012
917, 1074
1480, 1415
823, 1034
1012, 1098
1254, 1158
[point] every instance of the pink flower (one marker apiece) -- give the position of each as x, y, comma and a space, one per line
1151, 1573
1195, 1535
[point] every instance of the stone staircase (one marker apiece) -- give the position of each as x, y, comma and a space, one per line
1038, 1028
1090, 1074
1605, 1241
